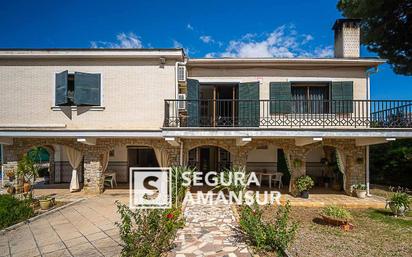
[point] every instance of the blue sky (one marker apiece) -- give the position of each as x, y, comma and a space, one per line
292, 28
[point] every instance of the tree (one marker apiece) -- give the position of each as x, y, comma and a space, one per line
386, 29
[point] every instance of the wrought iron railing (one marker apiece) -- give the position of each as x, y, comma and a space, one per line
289, 113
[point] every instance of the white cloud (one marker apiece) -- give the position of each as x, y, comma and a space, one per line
324, 51
124, 40
206, 39
283, 42
177, 44
190, 27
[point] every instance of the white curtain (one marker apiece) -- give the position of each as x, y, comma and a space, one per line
162, 157
74, 157
105, 161
341, 160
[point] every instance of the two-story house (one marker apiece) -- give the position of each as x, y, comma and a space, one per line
110, 109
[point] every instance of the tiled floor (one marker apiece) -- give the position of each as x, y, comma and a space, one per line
84, 229
210, 230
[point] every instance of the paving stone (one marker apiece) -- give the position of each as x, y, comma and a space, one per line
206, 232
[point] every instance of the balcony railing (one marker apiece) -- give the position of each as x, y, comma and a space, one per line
289, 113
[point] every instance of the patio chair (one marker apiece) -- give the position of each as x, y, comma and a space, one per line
277, 178
109, 180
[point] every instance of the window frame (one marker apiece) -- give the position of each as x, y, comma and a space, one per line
307, 85
74, 107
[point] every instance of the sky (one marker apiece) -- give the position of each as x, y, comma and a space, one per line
212, 28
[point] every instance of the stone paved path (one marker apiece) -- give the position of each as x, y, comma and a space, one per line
210, 230
84, 229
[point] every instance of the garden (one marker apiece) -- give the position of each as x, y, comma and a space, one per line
20, 203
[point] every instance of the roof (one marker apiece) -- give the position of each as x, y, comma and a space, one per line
366, 62
12, 53
339, 22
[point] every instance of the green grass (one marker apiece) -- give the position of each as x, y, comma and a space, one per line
386, 216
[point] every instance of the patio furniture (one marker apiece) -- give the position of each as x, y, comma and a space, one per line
277, 178
263, 174
110, 178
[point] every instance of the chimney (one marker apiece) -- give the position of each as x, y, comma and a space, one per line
347, 38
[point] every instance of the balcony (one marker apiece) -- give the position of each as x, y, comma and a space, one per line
289, 113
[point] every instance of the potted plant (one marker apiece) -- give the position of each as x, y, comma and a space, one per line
360, 190
10, 188
399, 203
27, 170
45, 202
10, 174
303, 184
335, 215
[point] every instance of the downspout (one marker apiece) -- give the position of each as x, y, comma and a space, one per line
368, 87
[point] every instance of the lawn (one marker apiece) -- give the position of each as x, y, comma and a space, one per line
375, 233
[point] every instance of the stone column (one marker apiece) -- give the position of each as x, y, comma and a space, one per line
239, 157
355, 170
93, 176
297, 166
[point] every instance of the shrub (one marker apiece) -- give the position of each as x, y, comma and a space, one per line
13, 211
400, 199
229, 184
150, 232
147, 232
304, 183
267, 236
337, 212
178, 189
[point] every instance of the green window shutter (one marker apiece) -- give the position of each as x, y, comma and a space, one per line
282, 93
87, 88
342, 97
193, 103
61, 88
249, 111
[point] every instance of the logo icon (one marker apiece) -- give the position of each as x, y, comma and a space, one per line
150, 188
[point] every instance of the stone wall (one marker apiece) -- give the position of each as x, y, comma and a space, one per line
354, 155
93, 154
93, 179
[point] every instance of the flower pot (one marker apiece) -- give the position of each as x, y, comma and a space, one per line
45, 204
11, 190
305, 194
26, 187
361, 194
397, 210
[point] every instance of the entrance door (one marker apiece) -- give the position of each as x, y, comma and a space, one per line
217, 105
141, 157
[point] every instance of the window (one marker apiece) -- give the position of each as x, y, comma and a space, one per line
78, 89
310, 98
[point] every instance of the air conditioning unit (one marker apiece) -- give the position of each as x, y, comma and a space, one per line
181, 73
181, 105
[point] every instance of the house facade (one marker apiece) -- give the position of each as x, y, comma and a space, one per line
122, 108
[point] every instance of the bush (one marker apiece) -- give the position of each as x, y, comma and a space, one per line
266, 236
400, 199
147, 232
304, 183
337, 212
150, 232
13, 211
